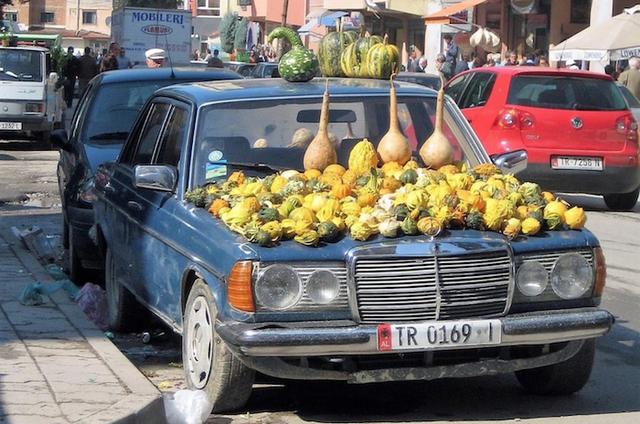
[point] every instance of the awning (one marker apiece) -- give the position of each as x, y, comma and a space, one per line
444, 16
327, 19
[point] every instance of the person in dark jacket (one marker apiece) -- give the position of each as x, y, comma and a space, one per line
70, 73
451, 51
88, 69
214, 61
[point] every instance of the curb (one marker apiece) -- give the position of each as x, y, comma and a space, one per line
144, 403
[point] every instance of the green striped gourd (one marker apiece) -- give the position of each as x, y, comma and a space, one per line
348, 63
362, 47
382, 60
299, 63
330, 52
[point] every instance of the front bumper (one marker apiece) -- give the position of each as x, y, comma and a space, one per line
290, 340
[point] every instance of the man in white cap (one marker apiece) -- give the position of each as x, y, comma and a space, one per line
155, 58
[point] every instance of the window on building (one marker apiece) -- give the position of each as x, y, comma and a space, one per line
89, 17
209, 7
47, 17
580, 11
11, 16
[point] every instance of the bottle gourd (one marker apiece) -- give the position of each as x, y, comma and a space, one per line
437, 151
394, 146
321, 152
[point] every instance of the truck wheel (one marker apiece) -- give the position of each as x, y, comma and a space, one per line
208, 364
622, 202
563, 378
124, 310
77, 273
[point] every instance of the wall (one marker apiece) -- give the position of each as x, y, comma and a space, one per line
29, 13
259, 11
560, 27
103, 11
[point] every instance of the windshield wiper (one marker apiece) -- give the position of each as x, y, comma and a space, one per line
257, 166
110, 136
9, 73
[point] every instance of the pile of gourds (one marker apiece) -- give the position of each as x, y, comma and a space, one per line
345, 54
314, 207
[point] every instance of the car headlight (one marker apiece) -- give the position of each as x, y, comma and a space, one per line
323, 287
571, 276
532, 278
278, 287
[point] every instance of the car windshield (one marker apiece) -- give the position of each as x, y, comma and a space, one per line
115, 108
20, 65
276, 133
563, 92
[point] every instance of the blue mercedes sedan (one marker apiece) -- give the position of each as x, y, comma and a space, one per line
461, 303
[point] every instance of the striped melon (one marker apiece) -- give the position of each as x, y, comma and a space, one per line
363, 45
382, 60
348, 62
330, 52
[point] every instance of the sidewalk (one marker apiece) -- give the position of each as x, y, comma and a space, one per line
55, 365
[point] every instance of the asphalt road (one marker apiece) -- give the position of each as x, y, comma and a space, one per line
28, 195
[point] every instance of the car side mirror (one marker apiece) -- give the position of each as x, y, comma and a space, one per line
60, 140
511, 162
156, 177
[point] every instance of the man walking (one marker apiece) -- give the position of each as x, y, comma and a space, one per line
70, 72
155, 58
88, 69
123, 61
214, 61
631, 77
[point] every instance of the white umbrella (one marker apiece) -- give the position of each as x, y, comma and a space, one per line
614, 39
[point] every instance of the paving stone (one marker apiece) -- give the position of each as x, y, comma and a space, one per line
75, 411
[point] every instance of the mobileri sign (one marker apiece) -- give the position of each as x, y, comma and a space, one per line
158, 17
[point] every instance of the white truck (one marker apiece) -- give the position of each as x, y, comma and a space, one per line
30, 103
140, 29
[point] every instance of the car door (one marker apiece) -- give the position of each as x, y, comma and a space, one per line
473, 101
125, 219
160, 257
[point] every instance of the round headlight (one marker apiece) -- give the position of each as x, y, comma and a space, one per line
532, 278
571, 276
278, 287
323, 287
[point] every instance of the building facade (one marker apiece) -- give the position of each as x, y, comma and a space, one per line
206, 16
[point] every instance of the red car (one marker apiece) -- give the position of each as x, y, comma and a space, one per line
578, 132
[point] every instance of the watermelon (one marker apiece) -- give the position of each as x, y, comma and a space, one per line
299, 63
363, 45
348, 63
330, 52
382, 60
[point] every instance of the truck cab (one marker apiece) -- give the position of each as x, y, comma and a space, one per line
30, 104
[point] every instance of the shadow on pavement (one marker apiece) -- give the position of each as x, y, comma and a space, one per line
590, 202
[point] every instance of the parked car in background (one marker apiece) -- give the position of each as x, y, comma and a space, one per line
99, 128
578, 131
462, 303
243, 68
265, 70
428, 80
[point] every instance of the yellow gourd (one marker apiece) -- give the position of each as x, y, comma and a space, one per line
312, 173
362, 158
320, 153
335, 169
394, 146
437, 151
340, 191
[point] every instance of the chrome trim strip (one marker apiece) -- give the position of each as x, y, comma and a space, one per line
436, 267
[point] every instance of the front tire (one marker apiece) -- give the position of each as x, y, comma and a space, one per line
622, 202
208, 364
563, 378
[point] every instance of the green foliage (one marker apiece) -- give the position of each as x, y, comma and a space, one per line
240, 34
228, 31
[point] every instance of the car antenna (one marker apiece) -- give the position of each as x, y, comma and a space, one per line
166, 44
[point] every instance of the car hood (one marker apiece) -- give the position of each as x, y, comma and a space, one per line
96, 154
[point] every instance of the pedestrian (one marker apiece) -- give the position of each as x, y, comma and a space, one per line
70, 73
422, 64
123, 61
88, 69
512, 59
412, 64
451, 51
543, 62
252, 57
208, 56
215, 61
490, 62
461, 66
110, 60
631, 77
611, 71
195, 55
443, 66
530, 61
262, 56
155, 58
571, 64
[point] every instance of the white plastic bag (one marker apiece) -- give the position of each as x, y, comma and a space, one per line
187, 407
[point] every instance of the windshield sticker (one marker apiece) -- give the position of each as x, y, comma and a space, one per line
215, 156
216, 166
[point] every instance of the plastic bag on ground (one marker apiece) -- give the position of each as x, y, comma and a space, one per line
33, 294
187, 407
92, 300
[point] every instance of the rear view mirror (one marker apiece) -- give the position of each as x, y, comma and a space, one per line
511, 162
155, 177
335, 115
59, 139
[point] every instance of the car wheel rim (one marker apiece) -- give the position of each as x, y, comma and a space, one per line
199, 342
113, 294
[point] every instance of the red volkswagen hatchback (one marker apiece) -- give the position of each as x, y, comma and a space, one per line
575, 126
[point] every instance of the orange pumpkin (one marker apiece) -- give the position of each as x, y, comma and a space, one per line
251, 204
367, 199
341, 190
335, 169
330, 179
349, 177
236, 177
312, 173
216, 205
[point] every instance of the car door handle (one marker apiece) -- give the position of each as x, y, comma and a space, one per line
135, 206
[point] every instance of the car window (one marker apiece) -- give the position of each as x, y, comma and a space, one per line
564, 92
150, 132
456, 86
478, 90
174, 137
77, 120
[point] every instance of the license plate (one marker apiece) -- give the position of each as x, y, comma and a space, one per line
439, 335
577, 162
11, 126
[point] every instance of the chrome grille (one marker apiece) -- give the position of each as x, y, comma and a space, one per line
548, 259
446, 287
